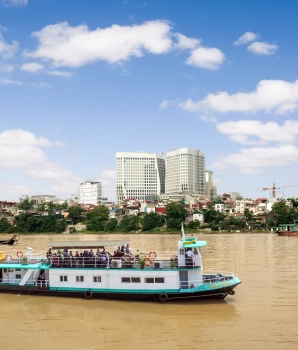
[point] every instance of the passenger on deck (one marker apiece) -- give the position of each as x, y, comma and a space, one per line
127, 249
49, 253
189, 257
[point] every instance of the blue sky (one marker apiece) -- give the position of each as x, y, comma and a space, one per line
81, 80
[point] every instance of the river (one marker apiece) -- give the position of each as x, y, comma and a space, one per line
263, 314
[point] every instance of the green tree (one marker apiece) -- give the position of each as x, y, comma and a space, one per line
283, 213
111, 225
97, 218
152, 220
213, 216
5, 225
194, 224
129, 223
176, 214
75, 213
26, 205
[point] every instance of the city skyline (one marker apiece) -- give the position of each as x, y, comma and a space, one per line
80, 81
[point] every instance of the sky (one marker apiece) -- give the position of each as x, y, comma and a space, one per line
81, 80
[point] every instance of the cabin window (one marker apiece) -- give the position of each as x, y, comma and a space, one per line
125, 279
18, 276
79, 278
97, 279
149, 280
182, 252
18, 269
159, 280
63, 278
135, 280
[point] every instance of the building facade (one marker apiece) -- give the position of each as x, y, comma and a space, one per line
139, 175
90, 193
211, 190
185, 171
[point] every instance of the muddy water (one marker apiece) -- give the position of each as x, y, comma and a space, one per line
263, 314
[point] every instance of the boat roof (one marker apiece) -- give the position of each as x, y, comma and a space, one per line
194, 244
85, 244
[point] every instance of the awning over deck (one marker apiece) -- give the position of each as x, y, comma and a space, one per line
21, 266
86, 244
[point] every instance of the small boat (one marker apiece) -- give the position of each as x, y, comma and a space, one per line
11, 241
151, 276
288, 229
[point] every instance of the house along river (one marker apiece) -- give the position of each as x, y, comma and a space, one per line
263, 314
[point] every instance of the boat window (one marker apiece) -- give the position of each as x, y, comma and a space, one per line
80, 278
63, 278
135, 280
149, 280
181, 251
18, 269
18, 276
96, 279
125, 279
159, 280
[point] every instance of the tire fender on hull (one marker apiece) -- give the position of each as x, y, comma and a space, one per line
163, 297
88, 294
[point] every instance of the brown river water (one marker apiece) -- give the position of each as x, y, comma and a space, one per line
263, 314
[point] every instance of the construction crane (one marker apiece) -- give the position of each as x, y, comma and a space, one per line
277, 188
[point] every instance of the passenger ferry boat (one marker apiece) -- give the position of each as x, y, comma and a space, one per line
288, 229
147, 277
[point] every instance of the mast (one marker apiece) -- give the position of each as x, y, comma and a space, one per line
182, 232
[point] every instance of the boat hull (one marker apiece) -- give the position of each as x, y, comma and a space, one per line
219, 293
285, 233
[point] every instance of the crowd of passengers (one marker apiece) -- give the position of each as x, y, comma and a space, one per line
88, 258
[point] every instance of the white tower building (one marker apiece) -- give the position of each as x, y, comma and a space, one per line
90, 193
140, 175
211, 190
185, 171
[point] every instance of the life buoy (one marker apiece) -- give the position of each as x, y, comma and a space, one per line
2, 256
20, 254
8, 257
148, 261
163, 297
152, 255
88, 294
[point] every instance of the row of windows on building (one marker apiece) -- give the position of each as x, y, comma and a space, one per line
97, 279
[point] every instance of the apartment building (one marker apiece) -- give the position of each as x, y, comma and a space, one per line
139, 175
211, 190
90, 192
185, 171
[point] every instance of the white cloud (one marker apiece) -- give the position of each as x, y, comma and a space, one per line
9, 191
21, 151
205, 57
252, 160
262, 48
32, 67
42, 85
208, 119
6, 68
66, 46
61, 73
6, 50
75, 46
252, 132
247, 37
16, 3
164, 104
276, 96
4, 81
183, 42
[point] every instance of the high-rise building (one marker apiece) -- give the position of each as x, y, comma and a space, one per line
139, 175
211, 190
90, 193
185, 171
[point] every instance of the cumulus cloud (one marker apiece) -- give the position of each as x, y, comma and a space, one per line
61, 73
32, 67
167, 103
262, 48
67, 46
247, 37
205, 57
276, 96
6, 68
252, 160
252, 132
42, 85
15, 3
64, 45
7, 50
208, 119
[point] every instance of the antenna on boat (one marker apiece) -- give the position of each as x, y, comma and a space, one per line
235, 258
182, 232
